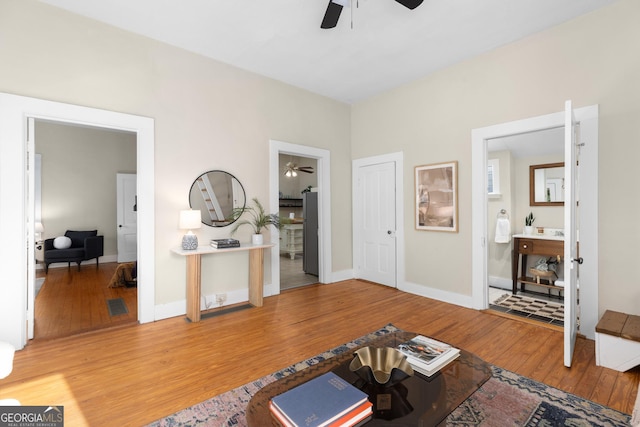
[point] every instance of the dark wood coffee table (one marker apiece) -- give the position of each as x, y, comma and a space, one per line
416, 401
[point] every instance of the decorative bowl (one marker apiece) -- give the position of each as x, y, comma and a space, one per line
385, 366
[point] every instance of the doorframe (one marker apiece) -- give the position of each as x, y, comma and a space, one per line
588, 119
398, 159
14, 113
323, 169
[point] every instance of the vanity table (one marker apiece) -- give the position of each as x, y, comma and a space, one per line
194, 276
525, 245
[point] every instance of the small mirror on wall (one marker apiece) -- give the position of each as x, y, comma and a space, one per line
546, 184
216, 194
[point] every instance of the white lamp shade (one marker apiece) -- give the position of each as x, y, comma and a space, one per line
190, 219
39, 228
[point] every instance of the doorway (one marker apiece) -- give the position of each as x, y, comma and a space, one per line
509, 159
322, 158
81, 178
16, 151
587, 117
298, 210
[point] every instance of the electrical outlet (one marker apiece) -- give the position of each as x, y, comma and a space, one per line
207, 303
221, 298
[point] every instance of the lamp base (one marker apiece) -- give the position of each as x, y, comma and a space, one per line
189, 242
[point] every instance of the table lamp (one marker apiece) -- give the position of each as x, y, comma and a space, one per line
190, 220
39, 229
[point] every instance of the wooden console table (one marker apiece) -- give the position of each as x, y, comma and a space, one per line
194, 275
524, 245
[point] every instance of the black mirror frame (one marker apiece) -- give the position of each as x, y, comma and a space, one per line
235, 218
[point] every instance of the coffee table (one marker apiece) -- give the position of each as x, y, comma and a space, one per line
416, 401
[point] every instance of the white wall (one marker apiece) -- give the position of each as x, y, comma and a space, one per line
589, 60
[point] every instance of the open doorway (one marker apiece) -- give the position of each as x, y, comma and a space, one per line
539, 297
298, 209
587, 120
322, 171
81, 167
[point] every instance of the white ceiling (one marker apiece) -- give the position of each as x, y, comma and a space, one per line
389, 45
533, 144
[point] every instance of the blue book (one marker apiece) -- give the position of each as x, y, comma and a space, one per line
319, 402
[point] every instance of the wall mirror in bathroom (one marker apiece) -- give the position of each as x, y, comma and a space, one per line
546, 184
216, 194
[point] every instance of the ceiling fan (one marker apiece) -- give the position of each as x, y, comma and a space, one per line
334, 9
292, 169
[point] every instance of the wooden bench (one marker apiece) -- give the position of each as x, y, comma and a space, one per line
618, 341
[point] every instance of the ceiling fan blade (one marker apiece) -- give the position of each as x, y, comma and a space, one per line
411, 4
307, 169
331, 16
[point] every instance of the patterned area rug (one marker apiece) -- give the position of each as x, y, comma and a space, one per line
506, 399
542, 311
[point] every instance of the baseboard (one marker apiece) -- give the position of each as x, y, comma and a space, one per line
501, 282
437, 294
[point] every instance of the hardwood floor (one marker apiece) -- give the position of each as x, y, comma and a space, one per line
133, 375
72, 301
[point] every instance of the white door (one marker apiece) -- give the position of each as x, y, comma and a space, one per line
31, 219
126, 217
571, 260
375, 223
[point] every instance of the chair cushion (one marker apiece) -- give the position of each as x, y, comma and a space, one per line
77, 237
62, 242
71, 254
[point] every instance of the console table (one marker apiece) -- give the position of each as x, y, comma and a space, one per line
524, 245
194, 275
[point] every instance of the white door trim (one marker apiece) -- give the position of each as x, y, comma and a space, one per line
398, 159
323, 167
588, 119
14, 112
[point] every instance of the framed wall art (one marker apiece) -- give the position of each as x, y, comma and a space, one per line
436, 189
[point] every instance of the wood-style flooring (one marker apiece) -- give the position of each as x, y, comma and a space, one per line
72, 301
133, 375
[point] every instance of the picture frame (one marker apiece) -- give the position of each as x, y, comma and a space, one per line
436, 197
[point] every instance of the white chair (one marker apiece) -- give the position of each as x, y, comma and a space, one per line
6, 366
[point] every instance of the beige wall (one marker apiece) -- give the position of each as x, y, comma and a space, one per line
208, 115
590, 60
212, 116
79, 167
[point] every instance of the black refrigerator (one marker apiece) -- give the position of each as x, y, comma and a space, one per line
310, 233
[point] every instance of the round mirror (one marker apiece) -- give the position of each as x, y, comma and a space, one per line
216, 194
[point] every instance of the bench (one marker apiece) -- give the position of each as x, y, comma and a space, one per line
618, 341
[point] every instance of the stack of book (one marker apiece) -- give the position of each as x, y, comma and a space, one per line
327, 400
426, 355
225, 243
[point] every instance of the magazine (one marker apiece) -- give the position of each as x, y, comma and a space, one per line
427, 355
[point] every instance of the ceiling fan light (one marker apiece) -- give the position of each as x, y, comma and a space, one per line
294, 174
343, 3
288, 174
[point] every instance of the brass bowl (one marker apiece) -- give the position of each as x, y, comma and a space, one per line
385, 366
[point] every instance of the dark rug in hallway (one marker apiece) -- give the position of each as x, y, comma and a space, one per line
535, 309
117, 307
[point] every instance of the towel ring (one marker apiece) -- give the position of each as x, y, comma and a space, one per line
502, 214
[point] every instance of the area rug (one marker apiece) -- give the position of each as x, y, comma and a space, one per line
542, 311
506, 399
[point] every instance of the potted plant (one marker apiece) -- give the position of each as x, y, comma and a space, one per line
259, 220
528, 223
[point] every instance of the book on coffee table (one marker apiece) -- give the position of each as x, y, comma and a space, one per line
426, 355
326, 400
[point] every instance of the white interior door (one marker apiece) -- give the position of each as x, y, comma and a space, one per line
31, 219
571, 260
375, 223
126, 217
